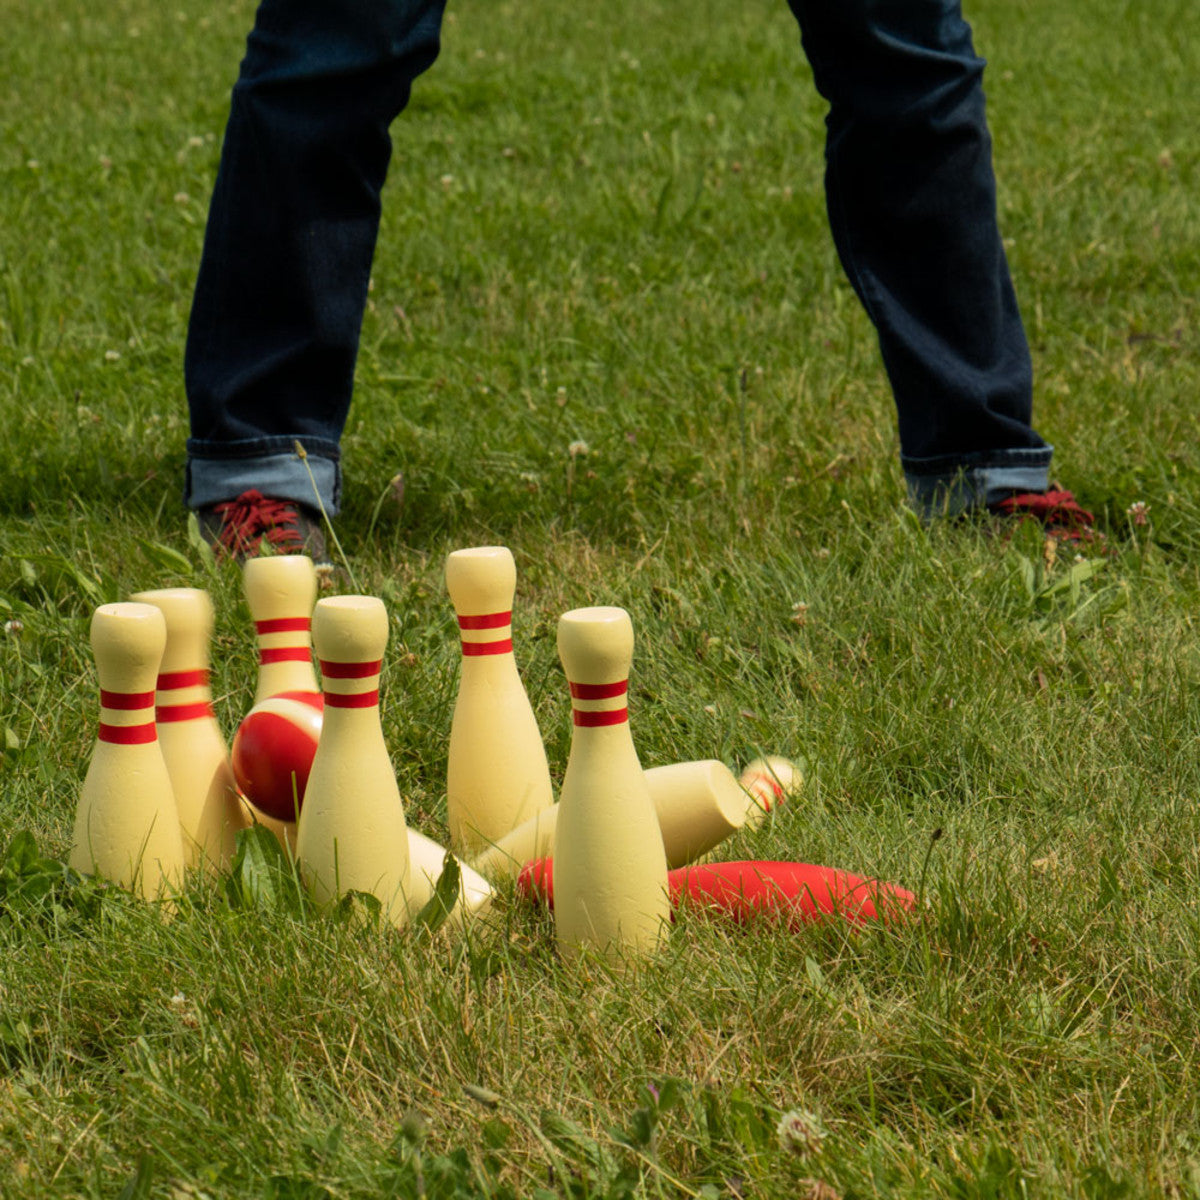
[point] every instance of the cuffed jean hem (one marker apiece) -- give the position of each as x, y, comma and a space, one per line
941, 488
281, 476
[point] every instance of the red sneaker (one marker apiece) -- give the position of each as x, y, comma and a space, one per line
1057, 510
238, 528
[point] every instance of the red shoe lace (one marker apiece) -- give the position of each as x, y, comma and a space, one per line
251, 517
1057, 510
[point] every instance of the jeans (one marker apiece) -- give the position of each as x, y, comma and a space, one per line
282, 285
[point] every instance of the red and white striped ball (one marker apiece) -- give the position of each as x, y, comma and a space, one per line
273, 746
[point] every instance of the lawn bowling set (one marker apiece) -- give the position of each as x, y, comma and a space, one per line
309, 760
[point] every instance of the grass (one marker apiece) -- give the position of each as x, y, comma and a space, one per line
606, 233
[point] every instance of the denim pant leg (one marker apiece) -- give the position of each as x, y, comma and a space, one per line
912, 206
275, 323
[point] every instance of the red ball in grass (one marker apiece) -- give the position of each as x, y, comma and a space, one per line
274, 746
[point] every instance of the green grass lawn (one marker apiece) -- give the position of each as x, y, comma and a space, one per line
608, 329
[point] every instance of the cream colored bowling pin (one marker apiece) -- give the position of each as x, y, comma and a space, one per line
126, 823
426, 860
698, 805
210, 810
351, 835
496, 776
281, 591
610, 869
769, 781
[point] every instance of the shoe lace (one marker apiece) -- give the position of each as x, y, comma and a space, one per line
249, 518
1057, 510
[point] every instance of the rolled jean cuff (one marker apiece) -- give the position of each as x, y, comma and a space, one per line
281, 476
946, 488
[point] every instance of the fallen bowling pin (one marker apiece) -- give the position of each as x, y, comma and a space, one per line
206, 796
497, 776
351, 835
612, 868
426, 862
797, 892
126, 822
770, 781
698, 805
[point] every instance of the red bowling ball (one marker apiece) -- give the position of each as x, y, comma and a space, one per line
273, 750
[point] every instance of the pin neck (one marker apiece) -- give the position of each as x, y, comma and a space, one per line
296, 651
593, 704
284, 625
489, 623
195, 709
338, 674
122, 734
169, 681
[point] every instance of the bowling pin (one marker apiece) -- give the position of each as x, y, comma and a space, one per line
351, 835
426, 861
497, 776
698, 805
280, 591
611, 868
210, 812
769, 781
126, 823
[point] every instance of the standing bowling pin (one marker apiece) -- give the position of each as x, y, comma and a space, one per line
280, 592
610, 866
497, 776
126, 823
769, 781
351, 834
210, 813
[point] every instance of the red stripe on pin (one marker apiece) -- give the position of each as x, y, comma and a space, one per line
486, 621
165, 714
475, 649
276, 654
606, 716
180, 679
284, 625
352, 699
350, 670
126, 701
599, 691
129, 735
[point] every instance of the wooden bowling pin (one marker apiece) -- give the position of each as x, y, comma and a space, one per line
497, 776
280, 591
210, 812
126, 823
426, 860
698, 805
351, 835
609, 857
769, 781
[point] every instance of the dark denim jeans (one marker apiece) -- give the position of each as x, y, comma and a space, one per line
291, 233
